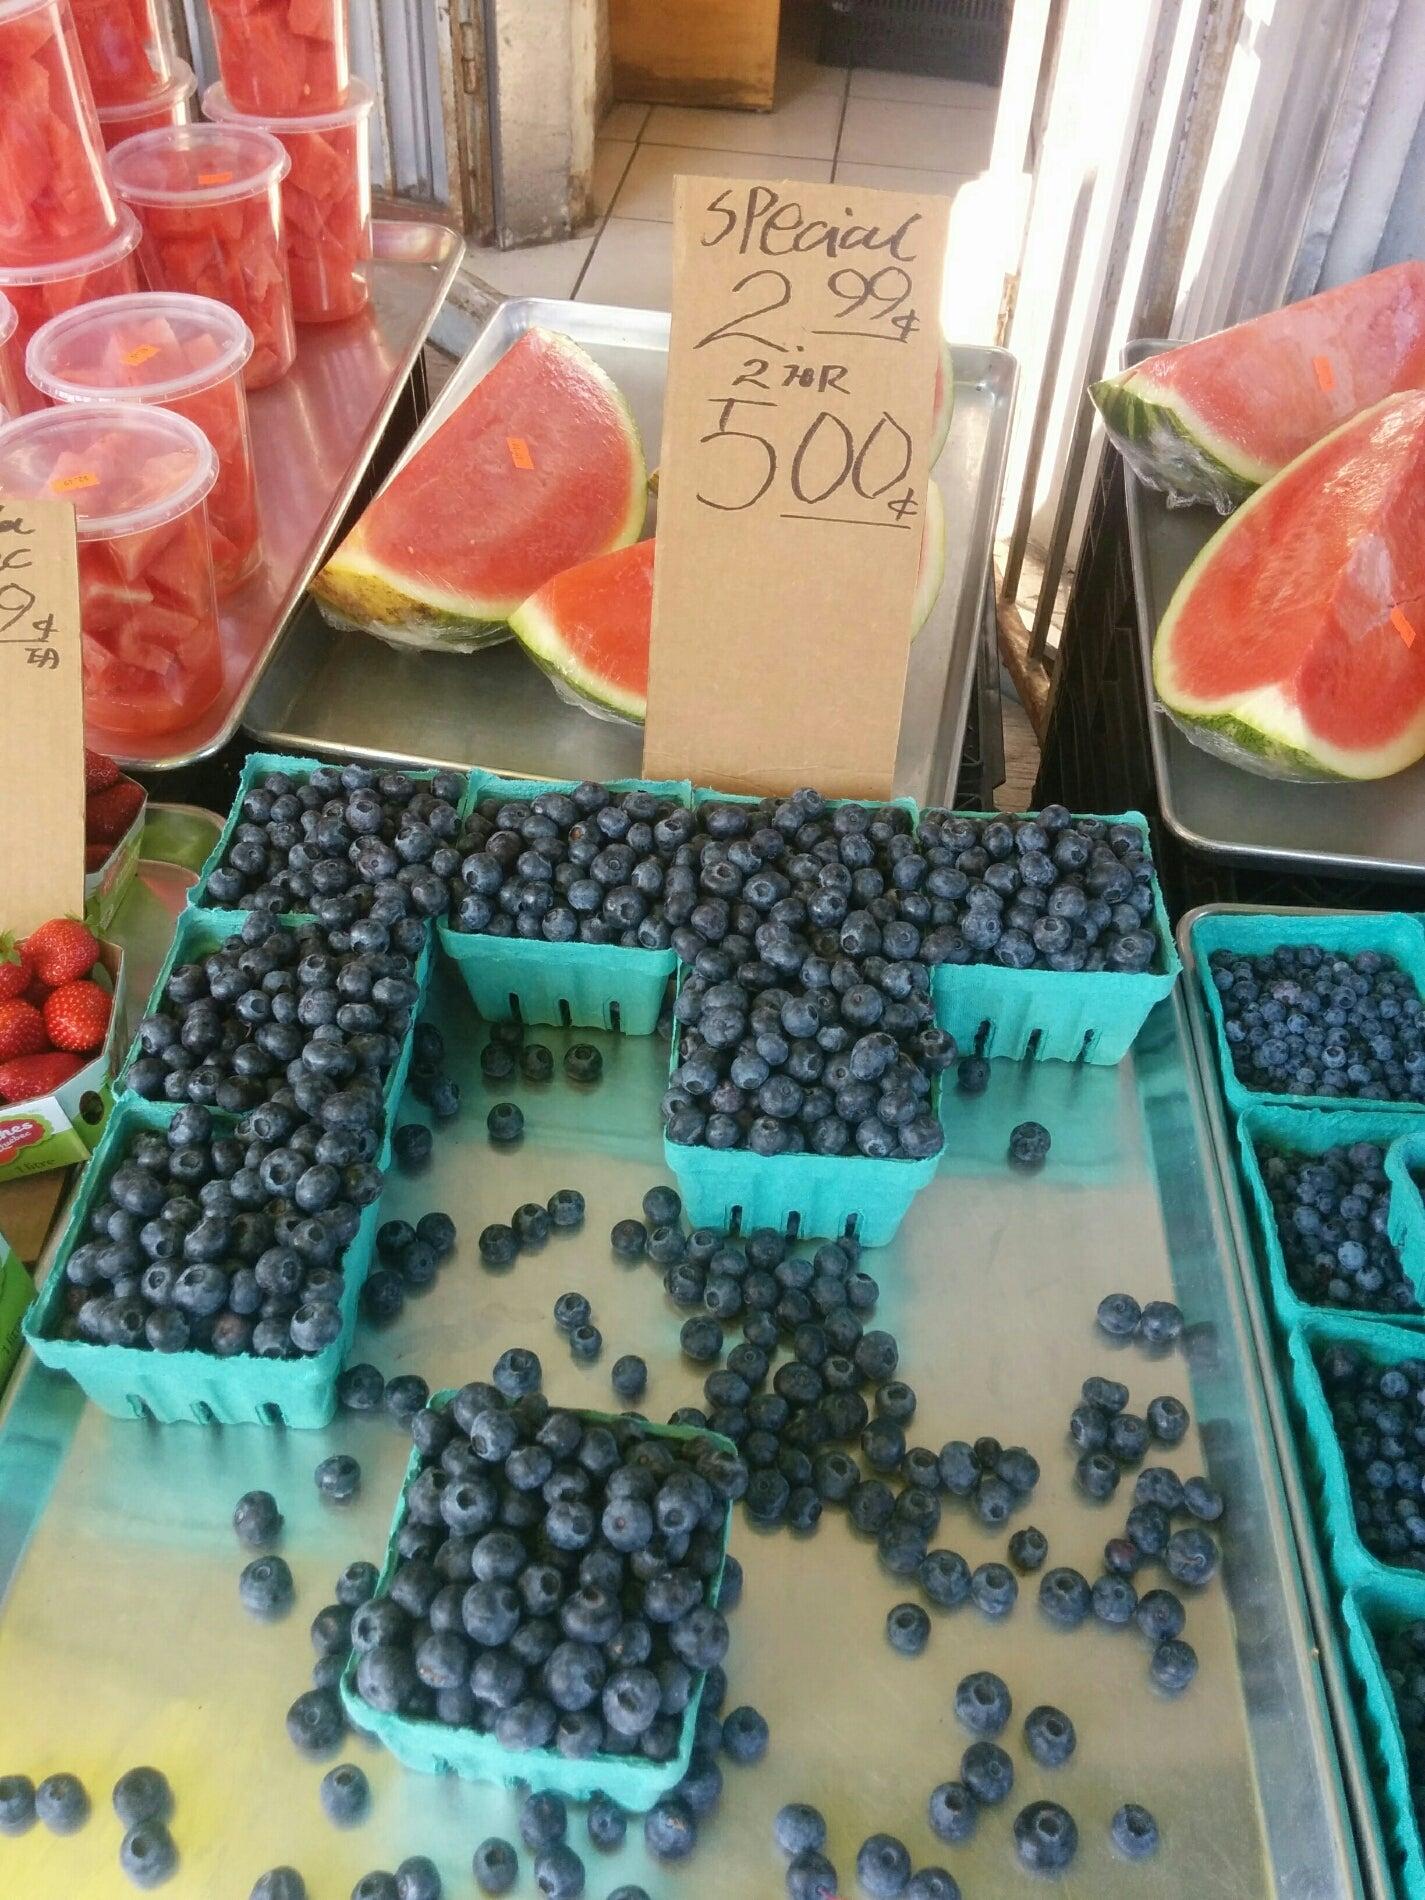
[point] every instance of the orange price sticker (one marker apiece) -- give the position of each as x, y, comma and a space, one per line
215, 178
1402, 626
66, 484
1325, 375
143, 354
519, 451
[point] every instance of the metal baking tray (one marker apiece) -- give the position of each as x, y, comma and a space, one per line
121, 1639
1376, 828
312, 437
342, 693
1321, 1596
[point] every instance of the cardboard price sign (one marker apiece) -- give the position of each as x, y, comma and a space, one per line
795, 459
42, 699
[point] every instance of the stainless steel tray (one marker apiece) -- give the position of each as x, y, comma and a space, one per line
312, 437
1376, 828
1321, 1595
121, 1639
328, 692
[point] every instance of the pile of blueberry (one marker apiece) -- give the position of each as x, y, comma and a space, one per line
1402, 1655
227, 1242
591, 865
1379, 1415
408, 1259
804, 1010
1331, 1212
344, 842
1158, 1324
143, 1803
530, 1226
1045, 892
275, 1005
1302, 1020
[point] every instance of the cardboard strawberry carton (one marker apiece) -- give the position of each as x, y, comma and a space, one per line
60, 1121
115, 807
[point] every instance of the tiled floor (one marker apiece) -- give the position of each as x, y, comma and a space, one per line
894, 130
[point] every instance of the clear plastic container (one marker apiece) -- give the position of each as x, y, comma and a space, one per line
127, 48
210, 200
181, 353
172, 105
138, 479
12, 376
282, 56
55, 196
41, 291
326, 201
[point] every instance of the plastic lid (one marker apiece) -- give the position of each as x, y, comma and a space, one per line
359, 101
17, 9
8, 319
123, 466
181, 87
149, 346
196, 164
124, 241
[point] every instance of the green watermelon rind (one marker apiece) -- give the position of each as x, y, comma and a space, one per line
358, 594
940, 420
541, 640
1173, 451
1252, 748
927, 590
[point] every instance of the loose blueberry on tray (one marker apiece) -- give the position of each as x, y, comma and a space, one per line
345, 1794
1134, 1832
496, 1866
883, 1867
1029, 1144
147, 1854
265, 1587
1046, 1836
987, 1772
954, 1812
1049, 1736
257, 1520
61, 1803
17, 1803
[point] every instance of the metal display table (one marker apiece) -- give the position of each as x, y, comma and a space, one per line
122, 1641
351, 695
1338, 829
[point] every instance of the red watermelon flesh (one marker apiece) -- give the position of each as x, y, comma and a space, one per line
537, 469
1295, 644
1211, 420
55, 196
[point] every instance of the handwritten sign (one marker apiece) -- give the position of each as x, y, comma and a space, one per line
42, 697
795, 458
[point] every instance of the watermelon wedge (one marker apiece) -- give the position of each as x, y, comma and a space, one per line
1212, 420
538, 469
1295, 643
589, 627
944, 402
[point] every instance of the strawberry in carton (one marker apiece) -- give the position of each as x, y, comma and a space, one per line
114, 811
61, 1006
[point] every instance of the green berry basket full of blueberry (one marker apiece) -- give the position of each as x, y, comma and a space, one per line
612, 984
632, 1780
228, 1381
1024, 985
1385, 1055
1385, 1643
1380, 1274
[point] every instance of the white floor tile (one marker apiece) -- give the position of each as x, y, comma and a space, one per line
632, 264
648, 188
537, 270
889, 132
611, 158
805, 127
899, 178
922, 89
624, 121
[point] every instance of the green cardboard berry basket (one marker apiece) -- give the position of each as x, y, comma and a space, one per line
1056, 1015
200, 931
1255, 933
589, 985
189, 1386
255, 766
1405, 1165
1311, 1131
434, 1748
1365, 1611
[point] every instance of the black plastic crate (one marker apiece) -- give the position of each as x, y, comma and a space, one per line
951, 39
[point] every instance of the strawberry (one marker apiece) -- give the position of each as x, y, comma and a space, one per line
96, 856
22, 1030
62, 950
28, 1076
108, 814
16, 970
76, 1016
99, 772
37, 992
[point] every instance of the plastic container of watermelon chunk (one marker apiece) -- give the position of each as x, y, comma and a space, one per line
282, 56
11, 369
37, 292
171, 105
56, 200
138, 480
209, 198
127, 48
177, 352
326, 200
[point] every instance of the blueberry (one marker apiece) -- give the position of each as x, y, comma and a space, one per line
883, 1867
607, 1823
953, 1811
1173, 1665
17, 1803
1029, 1144
376, 1886
257, 1520
987, 1772
701, 1340
629, 1377
1108, 1395
544, 1819
972, 1075
799, 1828
1115, 1601
412, 1145
583, 1062
1097, 1474
565, 1208
932, 1883
1191, 1556
1156, 1484
1118, 1315
944, 1576
1160, 1615
1149, 1527
1046, 1836
147, 1854
505, 1122
1064, 1596
907, 1629
498, 1244
61, 1803
1127, 1439
1134, 1832
1161, 1324
982, 1702
531, 1224
517, 1372
345, 1794
265, 1587
744, 1735
586, 1342
1049, 1736
496, 1866
1202, 1500
316, 1721
279, 1883
810, 1876
1028, 1548
669, 1830
1168, 1420
994, 1589
356, 1585
338, 1478
559, 1872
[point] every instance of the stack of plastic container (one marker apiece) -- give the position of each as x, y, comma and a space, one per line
137, 82
64, 237
286, 70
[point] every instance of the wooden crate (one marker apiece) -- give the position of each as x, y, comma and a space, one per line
695, 52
